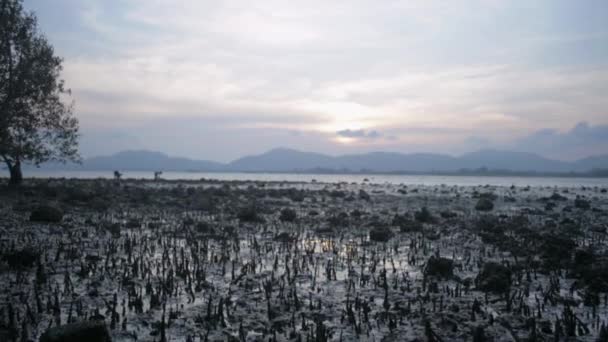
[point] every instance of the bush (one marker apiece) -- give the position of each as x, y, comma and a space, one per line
78, 194
113, 228
204, 227
284, 237
202, 203
557, 197
494, 277
439, 267
406, 225
288, 215
582, 203
556, 250
447, 214
23, 258
250, 214
339, 220
424, 215
46, 213
133, 223
90, 331
380, 234
484, 204
364, 195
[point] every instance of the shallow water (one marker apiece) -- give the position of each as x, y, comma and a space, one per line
337, 178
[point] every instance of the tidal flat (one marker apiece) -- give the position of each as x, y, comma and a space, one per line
292, 261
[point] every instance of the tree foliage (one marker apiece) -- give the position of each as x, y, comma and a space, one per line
36, 114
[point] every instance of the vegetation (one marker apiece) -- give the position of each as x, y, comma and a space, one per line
36, 124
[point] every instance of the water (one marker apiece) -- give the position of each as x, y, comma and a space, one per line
335, 178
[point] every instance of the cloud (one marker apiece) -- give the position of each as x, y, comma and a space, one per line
359, 134
580, 141
401, 76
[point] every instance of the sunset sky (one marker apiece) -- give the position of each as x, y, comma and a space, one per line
221, 79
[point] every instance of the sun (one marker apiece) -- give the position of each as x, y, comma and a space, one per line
344, 140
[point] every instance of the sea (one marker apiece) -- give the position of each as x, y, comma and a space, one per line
432, 180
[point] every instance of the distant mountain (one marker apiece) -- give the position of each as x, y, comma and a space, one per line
292, 160
594, 163
289, 160
282, 159
516, 161
141, 161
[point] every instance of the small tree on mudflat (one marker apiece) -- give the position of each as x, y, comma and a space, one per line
36, 124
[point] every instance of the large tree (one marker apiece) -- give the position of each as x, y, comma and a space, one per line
36, 113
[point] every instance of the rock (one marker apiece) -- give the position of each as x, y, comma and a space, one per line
494, 277
90, 331
46, 213
439, 267
380, 234
288, 215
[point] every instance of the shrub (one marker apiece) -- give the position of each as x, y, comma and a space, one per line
339, 220
288, 215
581, 203
133, 223
204, 228
380, 234
113, 228
424, 215
250, 214
364, 195
23, 258
91, 331
484, 204
406, 225
439, 267
46, 213
494, 277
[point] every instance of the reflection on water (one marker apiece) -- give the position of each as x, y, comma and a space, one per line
335, 178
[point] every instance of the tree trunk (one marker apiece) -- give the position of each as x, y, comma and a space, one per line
16, 174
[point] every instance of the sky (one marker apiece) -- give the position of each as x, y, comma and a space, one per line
221, 79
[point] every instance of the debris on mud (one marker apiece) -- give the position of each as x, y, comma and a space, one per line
211, 260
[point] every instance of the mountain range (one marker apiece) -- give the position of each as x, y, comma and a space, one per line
290, 160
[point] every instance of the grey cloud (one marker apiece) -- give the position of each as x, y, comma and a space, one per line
581, 141
359, 134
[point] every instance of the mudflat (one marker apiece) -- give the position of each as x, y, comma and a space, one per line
257, 261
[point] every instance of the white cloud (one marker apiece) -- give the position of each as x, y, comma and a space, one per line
455, 69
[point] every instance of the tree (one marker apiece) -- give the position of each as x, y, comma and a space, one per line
36, 121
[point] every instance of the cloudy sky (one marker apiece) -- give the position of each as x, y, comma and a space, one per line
221, 79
